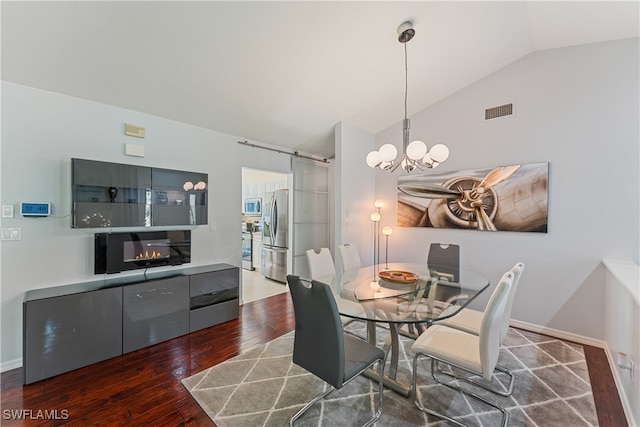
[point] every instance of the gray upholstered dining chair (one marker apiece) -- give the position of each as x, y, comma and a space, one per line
444, 261
322, 347
476, 354
469, 320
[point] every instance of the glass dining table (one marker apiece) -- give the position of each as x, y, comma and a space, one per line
402, 294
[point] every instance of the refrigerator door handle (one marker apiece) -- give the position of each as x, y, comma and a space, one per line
275, 216
274, 219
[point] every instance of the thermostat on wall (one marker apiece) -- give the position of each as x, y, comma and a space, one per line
35, 208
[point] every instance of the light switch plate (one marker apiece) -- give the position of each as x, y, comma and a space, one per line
12, 233
7, 211
16, 233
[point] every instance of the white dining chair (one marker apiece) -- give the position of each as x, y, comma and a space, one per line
321, 264
476, 354
349, 257
321, 267
469, 320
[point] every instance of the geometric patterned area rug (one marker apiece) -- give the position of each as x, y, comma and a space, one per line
262, 387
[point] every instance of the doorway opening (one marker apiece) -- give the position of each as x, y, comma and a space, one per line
265, 255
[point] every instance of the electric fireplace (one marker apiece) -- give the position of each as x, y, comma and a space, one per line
116, 252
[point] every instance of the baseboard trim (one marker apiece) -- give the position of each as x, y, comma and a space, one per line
558, 333
11, 364
626, 405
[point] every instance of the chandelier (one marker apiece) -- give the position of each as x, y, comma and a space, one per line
415, 154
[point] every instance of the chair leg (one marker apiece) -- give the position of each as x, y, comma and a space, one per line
484, 386
414, 392
310, 404
381, 363
434, 362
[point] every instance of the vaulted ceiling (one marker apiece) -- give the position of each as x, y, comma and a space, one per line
285, 73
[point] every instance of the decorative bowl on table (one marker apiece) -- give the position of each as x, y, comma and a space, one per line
398, 276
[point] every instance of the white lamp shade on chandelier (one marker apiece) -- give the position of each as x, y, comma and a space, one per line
416, 155
416, 150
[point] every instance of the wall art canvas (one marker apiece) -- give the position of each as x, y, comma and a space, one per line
505, 198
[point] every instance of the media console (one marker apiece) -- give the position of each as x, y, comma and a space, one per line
71, 326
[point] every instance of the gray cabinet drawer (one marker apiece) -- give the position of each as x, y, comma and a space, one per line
214, 287
214, 281
214, 314
68, 332
154, 312
214, 297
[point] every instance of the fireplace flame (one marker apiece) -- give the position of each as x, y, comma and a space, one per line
147, 255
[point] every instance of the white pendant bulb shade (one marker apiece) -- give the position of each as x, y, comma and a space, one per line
387, 230
416, 150
388, 152
416, 155
373, 159
439, 153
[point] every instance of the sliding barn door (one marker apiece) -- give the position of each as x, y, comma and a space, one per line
310, 211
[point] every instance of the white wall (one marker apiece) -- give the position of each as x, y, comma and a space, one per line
576, 108
42, 131
355, 195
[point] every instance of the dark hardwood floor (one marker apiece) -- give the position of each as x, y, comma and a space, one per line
143, 388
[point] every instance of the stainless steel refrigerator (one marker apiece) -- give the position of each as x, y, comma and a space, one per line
275, 235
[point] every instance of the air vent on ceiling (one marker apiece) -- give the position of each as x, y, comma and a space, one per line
499, 111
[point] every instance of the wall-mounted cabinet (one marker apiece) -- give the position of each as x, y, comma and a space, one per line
116, 195
178, 198
110, 194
